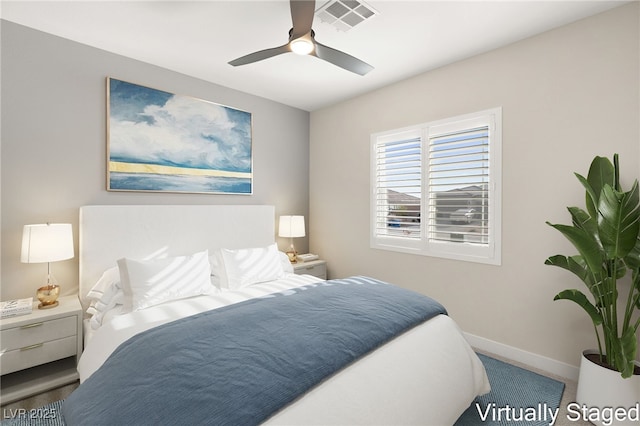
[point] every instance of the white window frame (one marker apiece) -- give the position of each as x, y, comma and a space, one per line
488, 252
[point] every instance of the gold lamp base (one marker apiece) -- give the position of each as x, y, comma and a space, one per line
293, 256
48, 296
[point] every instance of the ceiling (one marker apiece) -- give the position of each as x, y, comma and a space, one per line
199, 38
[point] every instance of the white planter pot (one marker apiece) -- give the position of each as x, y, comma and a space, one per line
606, 395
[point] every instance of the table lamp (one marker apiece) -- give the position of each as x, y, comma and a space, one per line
49, 242
292, 227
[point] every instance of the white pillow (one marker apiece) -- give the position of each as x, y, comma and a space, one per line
218, 274
97, 313
249, 266
104, 289
104, 295
97, 307
287, 267
151, 282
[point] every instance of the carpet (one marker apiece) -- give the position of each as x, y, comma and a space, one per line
517, 397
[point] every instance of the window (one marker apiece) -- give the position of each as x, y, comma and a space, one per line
436, 188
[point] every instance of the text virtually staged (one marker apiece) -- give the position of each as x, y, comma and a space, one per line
545, 413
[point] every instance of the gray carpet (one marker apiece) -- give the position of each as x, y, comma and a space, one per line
517, 397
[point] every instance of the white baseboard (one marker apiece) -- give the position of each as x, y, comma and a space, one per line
540, 362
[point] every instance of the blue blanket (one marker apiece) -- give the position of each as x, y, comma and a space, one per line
240, 364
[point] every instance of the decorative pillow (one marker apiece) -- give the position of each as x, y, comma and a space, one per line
249, 266
149, 283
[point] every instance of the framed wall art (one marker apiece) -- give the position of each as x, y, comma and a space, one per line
162, 142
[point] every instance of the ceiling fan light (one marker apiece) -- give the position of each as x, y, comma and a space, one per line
301, 46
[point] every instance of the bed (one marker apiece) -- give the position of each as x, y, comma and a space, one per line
232, 300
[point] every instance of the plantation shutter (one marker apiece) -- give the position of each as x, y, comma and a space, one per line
459, 186
436, 188
398, 185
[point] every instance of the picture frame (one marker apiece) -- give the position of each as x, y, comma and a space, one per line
162, 142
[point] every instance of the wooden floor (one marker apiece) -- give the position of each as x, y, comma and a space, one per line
42, 399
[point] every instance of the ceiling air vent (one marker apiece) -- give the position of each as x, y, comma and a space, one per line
345, 14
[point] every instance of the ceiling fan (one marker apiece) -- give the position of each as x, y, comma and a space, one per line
302, 41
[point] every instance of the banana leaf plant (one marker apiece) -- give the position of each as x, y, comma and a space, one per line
606, 238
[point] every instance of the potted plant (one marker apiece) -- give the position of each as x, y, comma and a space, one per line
606, 236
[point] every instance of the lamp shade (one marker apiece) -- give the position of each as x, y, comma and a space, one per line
47, 242
291, 226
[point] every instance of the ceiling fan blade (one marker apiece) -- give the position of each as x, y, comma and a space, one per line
302, 12
260, 55
341, 59
301, 17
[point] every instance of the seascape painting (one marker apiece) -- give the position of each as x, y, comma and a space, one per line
161, 142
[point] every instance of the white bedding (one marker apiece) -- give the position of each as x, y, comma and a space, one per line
117, 328
426, 376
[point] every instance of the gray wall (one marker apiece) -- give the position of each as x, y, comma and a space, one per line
567, 95
54, 144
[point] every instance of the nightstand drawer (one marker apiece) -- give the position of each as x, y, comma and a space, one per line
36, 354
37, 332
317, 270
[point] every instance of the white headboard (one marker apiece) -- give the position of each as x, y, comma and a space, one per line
108, 233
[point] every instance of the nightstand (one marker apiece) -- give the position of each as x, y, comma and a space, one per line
40, 351
317, 268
